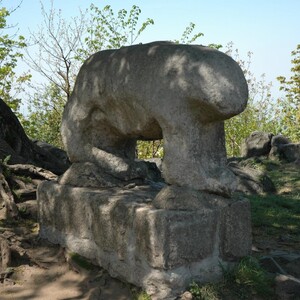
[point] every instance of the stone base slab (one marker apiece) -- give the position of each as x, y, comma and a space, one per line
160, 250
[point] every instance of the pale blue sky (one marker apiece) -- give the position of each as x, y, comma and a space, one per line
268, 28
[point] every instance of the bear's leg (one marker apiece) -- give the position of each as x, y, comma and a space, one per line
195, 157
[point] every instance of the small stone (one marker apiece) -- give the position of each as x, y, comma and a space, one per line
186, 296
287, 287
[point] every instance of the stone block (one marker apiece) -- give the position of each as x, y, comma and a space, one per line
160, 250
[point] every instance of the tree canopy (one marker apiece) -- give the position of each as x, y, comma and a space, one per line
10, 53
62, 45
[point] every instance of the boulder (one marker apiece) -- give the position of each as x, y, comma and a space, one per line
55, 151
179, 92
290, 152
15, 143
283, 149
118, 211
252, 181
257, 144
160, 250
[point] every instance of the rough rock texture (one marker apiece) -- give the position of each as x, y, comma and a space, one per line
56, 152
161, 250
109, 207
257, 144
15, 143
283, 149
289, 152
251, 181
180, 92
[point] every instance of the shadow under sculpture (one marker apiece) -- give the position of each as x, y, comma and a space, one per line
157, 235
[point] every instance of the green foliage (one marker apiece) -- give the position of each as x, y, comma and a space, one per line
5, 160
140, 296
3, 166
110, 30
187, 37
241, 282
81, 261
150, 149
204, 292
290, 104
44, 120
60, 54
10, 53
278, 214
259, 114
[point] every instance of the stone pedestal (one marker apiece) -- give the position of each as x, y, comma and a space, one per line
159, 249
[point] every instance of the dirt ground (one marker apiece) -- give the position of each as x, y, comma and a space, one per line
40, 270
34, 269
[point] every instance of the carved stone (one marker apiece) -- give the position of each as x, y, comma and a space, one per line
179, 92
109, 207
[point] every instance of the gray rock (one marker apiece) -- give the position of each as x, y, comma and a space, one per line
56, 152
279, 140
290, 152
287, 287
116, 210
276, 143
252, 181
257, 144
180, 92
161, 250
283, 149
15, 143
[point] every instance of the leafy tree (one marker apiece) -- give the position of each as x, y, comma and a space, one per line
188, 36
10, 53
44, 119
259, 114
289, 121
108, 30
57, 41
62, 46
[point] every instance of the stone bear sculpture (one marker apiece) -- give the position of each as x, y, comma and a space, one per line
181, 93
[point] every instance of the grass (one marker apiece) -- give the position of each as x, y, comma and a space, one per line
273, 216
244, 281
81, 261
276, 214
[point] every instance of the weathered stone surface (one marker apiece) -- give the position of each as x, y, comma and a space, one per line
91, 175
180, 92
15, 143
171, 197
283, 149
290, 152
235, 235
257, 144
116, 210
251, 181
161, 250
60, 154
287, 287
279, 140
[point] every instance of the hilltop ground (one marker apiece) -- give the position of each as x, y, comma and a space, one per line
40, 270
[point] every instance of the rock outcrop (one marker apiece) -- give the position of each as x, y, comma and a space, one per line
180, 92
275, 147
257, 144
15, 143
157, 234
